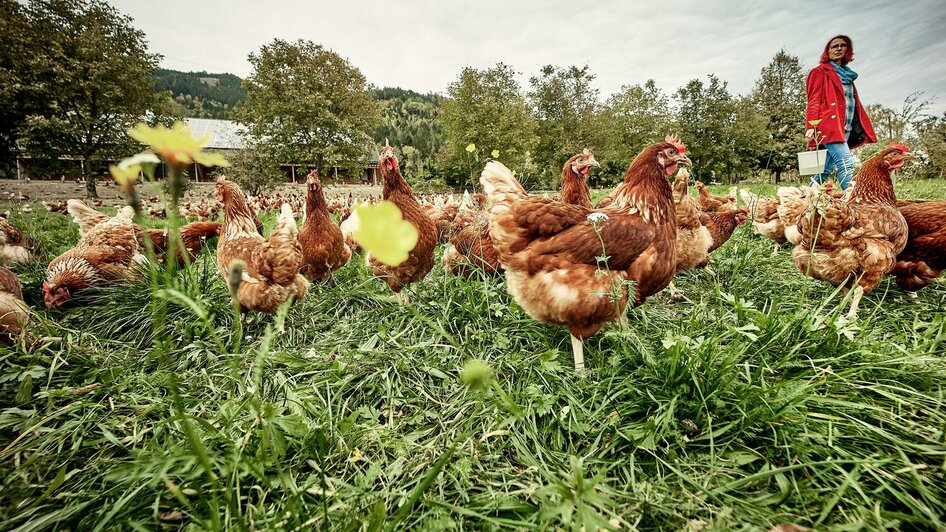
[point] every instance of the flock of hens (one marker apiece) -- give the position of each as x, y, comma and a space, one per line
566, 261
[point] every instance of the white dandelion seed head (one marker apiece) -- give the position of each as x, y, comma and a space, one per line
596, 217
139, 159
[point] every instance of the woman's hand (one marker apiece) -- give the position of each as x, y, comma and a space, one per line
810, 134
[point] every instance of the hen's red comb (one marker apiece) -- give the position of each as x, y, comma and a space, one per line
586, 152
677, 143
898, 146
314, 173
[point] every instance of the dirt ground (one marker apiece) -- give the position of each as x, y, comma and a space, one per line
111, 195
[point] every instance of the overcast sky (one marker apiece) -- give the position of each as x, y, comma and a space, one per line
422, 45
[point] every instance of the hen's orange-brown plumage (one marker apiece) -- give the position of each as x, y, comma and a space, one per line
13, 313
722, 224
323, 246
693, 237
105, 253
270, 266
192, 234
709, 202
764, 214
15, 247
855, 243
575, 179
471, 249
924, 257
550, 250
420, 260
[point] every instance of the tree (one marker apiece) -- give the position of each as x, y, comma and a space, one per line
253, 171
930, 146
15, 51
750, 140
307, 104
899, 124
565, 106
488, 109
706, 115
91, 82
634, 117
409, 121
779, 96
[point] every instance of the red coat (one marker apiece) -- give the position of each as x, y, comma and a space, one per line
826, 102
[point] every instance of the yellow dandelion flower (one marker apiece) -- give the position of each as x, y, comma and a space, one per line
176, 145
385, 233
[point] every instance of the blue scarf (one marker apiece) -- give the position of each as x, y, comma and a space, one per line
844, 72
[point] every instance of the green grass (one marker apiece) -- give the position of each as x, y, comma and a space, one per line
749, 405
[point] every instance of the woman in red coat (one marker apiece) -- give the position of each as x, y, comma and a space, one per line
835, 112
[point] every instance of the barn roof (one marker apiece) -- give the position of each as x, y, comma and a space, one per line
224, 134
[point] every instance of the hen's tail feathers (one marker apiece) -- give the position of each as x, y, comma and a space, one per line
349, 226
279, 258
198, 230
748, 197
498, 182
286, 223
125, 215
84, 216
192, 236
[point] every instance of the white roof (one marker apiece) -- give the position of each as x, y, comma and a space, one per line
224, 134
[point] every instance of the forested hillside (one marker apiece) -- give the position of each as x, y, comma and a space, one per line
201, 95
410, 121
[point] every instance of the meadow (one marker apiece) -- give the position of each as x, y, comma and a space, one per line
750, 404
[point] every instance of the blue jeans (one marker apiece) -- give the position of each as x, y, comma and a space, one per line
840, 157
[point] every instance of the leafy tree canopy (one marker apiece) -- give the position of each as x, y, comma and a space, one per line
306, 103
89, 81
486, 108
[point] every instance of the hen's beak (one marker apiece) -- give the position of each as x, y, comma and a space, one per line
593, 162
684, 160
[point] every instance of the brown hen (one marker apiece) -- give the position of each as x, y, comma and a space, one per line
575, 179
14, 315
323, 246
106, 252
420, 260
709, 202
17, 248
765, 218
924, 257
552, 252
270, 267
855, 244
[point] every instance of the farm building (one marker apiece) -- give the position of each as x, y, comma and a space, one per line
225, 136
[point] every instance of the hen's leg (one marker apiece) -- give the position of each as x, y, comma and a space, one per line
402, 298
579, 351
675, 295
858, 294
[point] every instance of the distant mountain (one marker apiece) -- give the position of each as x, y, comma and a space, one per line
202, 95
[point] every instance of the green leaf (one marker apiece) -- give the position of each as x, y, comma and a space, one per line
25, 393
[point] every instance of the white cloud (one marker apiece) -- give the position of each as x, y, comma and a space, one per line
423, 45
